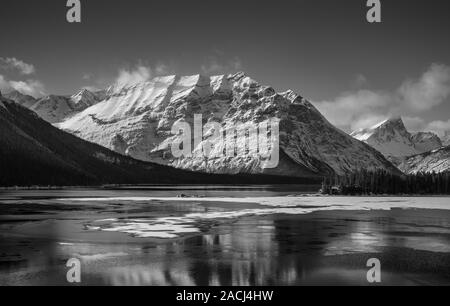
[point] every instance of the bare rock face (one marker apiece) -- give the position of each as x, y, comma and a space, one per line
426, 141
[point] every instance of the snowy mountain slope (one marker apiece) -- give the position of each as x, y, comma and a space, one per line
392, 139
137, 121
55, 108
434, 161
34, 152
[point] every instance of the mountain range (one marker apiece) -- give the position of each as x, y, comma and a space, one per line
391, 138
55, 108
411, 152
131, 125
136, 121
34, 152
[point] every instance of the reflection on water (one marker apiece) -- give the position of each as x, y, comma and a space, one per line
271, 251
325, 247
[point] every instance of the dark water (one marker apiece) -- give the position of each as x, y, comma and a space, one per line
39, 234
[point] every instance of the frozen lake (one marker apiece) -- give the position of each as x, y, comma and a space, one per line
217, 235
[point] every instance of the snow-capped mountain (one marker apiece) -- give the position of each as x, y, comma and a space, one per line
86, 98
55, 108
392, 139
34, 152
434, 161
137, 120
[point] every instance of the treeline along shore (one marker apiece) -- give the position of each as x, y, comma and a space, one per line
382, 182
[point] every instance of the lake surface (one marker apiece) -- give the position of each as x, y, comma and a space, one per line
221, 235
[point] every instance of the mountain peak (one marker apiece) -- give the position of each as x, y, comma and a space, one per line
396, 120
84, 91
238, 75
391, 138
393, 122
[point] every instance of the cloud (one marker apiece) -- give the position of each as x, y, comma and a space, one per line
439, 127
361, 108
359, 81
30, 87
432, 89
14, 63
87, 76
136, 75
355, 109
4, 84
215, 65
414, 124
142, 71
162, 69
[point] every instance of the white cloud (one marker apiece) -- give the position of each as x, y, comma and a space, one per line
358, 109
359, 81
29, 87
432, 89
130, 77
214, 65
355, 109
162, 69
4, 84
87, 76
439, 127
14, 63
143, 72
414, 124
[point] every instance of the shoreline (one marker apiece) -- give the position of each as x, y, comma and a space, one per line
181, 187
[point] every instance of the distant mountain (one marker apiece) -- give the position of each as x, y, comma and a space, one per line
55, 108
392, 139
24, 100
86, 98
426, 141
434, 161
136, 121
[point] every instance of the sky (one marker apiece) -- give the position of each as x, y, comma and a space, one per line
355, 72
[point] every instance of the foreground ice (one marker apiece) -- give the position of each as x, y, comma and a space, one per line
175, 226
